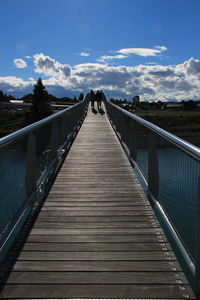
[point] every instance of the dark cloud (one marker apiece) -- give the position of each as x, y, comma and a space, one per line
184, 86
164, 73
167, 84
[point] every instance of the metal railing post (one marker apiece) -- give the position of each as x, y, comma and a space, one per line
30, 177
153, 167
125, 129
60, 125
132, 143
197, 265
54, 140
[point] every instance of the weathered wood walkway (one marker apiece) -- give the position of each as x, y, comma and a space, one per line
96, 235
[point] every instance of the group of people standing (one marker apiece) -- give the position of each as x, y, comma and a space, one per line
96, 97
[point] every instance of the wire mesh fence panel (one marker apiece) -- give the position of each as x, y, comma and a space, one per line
12, 182
178, 191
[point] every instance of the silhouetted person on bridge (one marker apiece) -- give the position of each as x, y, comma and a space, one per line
99, 99
93, 98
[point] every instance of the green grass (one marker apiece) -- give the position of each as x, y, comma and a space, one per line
10, 122
173, 120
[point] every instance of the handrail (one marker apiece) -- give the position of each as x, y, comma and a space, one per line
182, 144
19, 133
159, 157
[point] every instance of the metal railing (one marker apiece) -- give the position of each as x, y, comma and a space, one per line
169, 171
29, 160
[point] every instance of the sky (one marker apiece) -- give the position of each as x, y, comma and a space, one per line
149, 48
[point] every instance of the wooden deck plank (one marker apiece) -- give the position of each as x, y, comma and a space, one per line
96, 235
74, 219
92, 246
96, 291
100, 256
92, 231
89, 265
96, 238
97, 208
60, 213
102, 225
95, 203
94, 278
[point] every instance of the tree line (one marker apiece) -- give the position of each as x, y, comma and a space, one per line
189, 105
40, 107
41, 102
29, 98
5, 97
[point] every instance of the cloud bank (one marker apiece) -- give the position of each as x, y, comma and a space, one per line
151, 82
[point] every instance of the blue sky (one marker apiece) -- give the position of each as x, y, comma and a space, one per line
125, 47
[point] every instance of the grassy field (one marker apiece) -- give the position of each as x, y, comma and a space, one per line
173, 120
184, 124
10, 122
181, 123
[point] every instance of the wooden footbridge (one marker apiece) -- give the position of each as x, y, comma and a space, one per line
96, 235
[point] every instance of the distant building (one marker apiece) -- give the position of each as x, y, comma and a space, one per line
19, 106
173, 106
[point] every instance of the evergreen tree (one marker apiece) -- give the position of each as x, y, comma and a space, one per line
40, 108
5, 98
136, 99
1, 96
81, 97
27, 98
136, 102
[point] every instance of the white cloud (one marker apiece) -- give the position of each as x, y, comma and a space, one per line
126, 52
143, 51
161, 48
20, 63
190, 67
84, 54
13, 81
50, 67
28, 57
151, 63
15, 85
155, 82
110, 57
